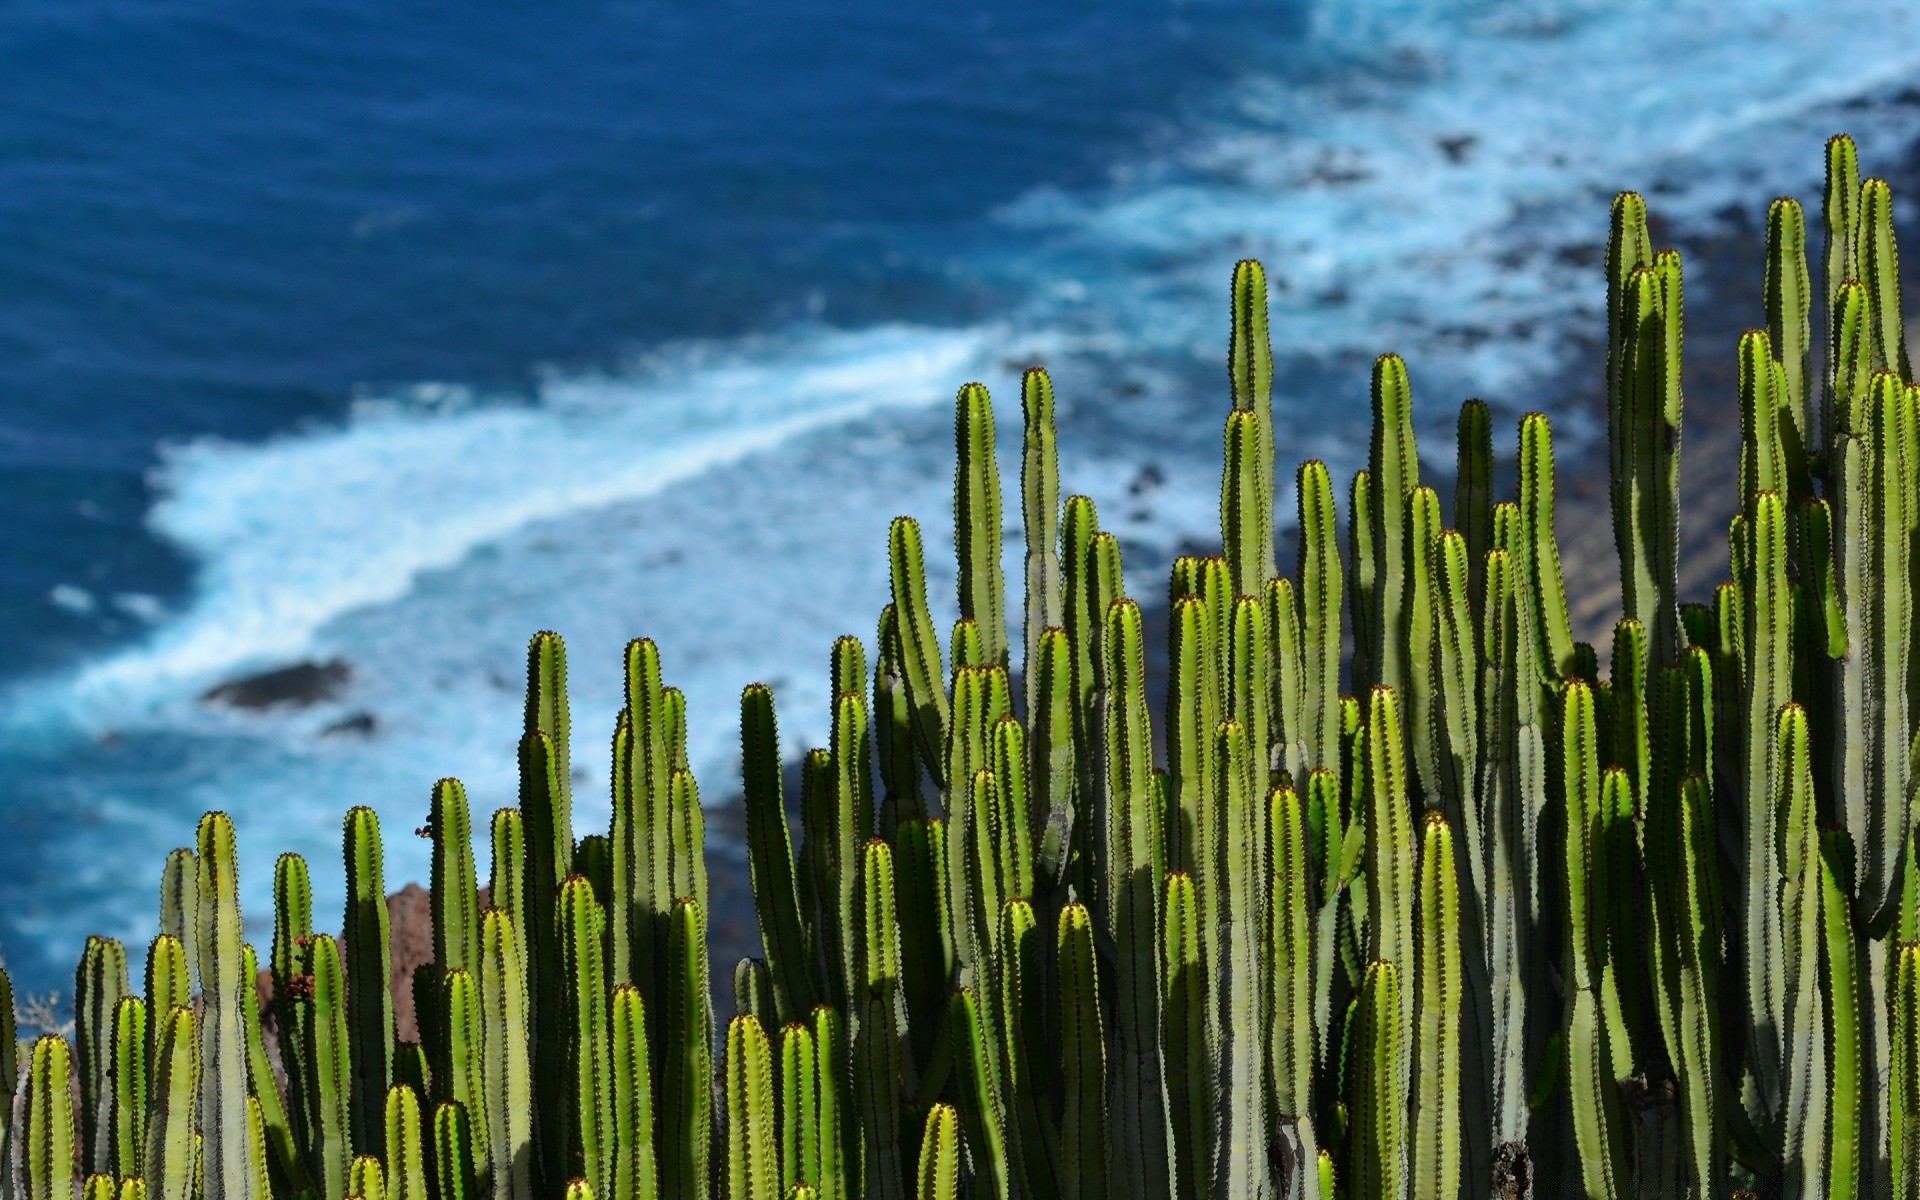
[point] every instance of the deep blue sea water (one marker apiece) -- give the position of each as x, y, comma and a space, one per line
390, 333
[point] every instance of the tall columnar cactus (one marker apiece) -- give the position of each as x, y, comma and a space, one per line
1132, 846
686, 1118
180, 904
1436, 1126
752, 1148
328, 1084
99, 983
939, 1176
770, 854
506, 1076
226, 987
588, 1097
366, 938
1083, 1059
170, 1155
634, 1170
47, 1149
1379, 1152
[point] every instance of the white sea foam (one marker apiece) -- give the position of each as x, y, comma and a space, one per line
731, 500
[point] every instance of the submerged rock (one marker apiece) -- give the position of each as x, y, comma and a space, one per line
297, 686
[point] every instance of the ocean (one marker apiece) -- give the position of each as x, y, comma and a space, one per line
386, 334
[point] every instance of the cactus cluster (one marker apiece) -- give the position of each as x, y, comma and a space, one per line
1491, 923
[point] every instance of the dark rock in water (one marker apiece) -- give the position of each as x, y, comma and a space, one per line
1459, 147
297, 686
360, 724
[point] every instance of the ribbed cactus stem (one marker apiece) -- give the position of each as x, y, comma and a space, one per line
453, 1154
1379, 1160
1437, 1126
1320, 584
180, 905
99, 983
770, 852
170, 1133
1393, 472
1132, 849
369, 963
226, 987
939, 1174
752, 1147
976, 521
406, 1161
1040, 518
1083, 1059
634, 1171
506, 1075
1184, 1037
686, 1109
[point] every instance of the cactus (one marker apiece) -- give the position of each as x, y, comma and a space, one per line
770, 855
226, 986
753, 1163
1298, 975
686, 1111
170, 1151
366, 939
506, 1075
634, 1173
453, 1153
939, 1176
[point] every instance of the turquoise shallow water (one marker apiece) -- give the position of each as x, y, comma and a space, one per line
365, 332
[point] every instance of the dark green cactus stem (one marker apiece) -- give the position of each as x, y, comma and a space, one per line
882, 1062
686, 1111
980, 1100
1293, 945
1364, 600
1789, 306
1419, 692
634, 1173
1842, 221
1473, 490
976, 521
1235, 1051
453, 1153
1840, 973
369, 964
1904, 1098
1320, 585
170, 1135
406, 1162
1393, 472
1085, 615
641, 825
506, 1076
292, 926
770, 853
920, 657
99, 983
848, 664
1083, 1059
1285, 669
226, 987
1768, 674
456, 897
1804, 1066
547, 702
1132, 845
839, 1127
1246, 502
131, 1078
1877, 262
458, 1058
844, 845
1538, 552
753, 1161
548, 820
180, 904
1379, 1159
282, 1145
1437, 1127
1591, 1000
893, 729
939, 1174
1053, 771
927, 925
1184, 1037
1390, 851
507, 879
587, 1098
1250, 366
1193, 711
329, 1083
1023, 1049
1040, 517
